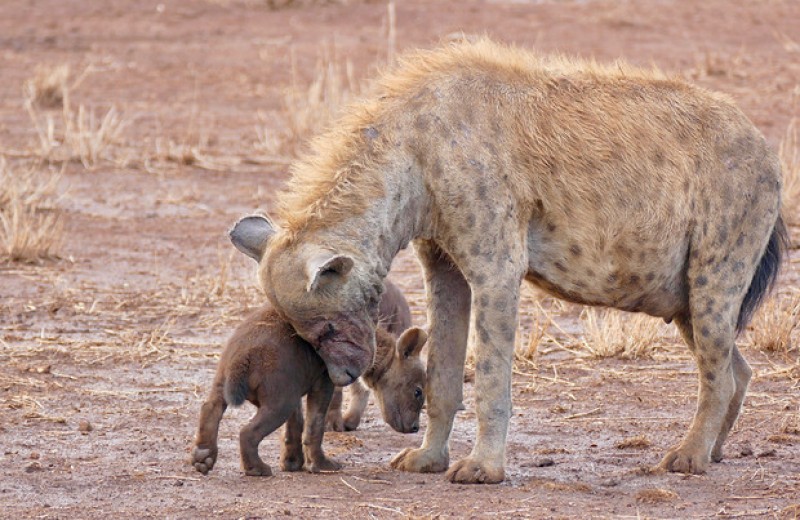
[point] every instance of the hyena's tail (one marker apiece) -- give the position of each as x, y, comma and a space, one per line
236, 387
766, 274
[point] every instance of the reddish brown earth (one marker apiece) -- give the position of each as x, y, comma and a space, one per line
106, 355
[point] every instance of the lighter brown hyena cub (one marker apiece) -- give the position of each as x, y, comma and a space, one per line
267, 363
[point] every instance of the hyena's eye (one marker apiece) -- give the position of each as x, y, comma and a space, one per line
418, 393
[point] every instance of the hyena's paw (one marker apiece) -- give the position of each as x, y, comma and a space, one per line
203, 458
257, 469
420, 461
683, 460
324, 464
351, 422
334, 422
471, 471
292, 462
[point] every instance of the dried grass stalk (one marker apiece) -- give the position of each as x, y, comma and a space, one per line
31, 228
48, 86
789, 152
772, 328
610, 333
310, 110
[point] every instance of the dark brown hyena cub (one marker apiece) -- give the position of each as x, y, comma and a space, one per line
267, 363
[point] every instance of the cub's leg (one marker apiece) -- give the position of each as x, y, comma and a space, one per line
359, 397
267, 420
292, 453
333, 421
317, 402
448, 296
204, 451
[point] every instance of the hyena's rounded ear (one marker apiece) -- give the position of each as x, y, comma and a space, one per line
410, 342
251, 234
322, 268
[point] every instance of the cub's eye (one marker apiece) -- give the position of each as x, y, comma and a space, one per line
418, 393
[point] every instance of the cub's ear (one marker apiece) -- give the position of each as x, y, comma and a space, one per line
410, 342
251, 234
322, 268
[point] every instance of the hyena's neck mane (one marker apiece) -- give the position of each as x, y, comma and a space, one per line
339, 177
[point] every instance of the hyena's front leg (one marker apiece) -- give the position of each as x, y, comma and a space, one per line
359, 397
448, 320
317, 402
495, 305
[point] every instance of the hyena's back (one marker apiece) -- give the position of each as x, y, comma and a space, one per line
633, 185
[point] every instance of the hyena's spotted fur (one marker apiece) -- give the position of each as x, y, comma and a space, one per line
603, 185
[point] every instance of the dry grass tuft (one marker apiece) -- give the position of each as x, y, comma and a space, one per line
773, 326
638, 442
31, 229
48, 86
610, 333
656, 496
789, 151
72, 135
310, 110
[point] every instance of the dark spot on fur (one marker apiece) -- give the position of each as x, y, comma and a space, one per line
480, 279
507, 332
704, 331
658, 158
612, 278
701, 281
575, 249
738, 266
551, 227
475, 249
719, 343
421, 123
483, 333
471, 220
483, 301
560, 267
634, 279
485, 366
710, 376
481, 191
500, 305
539, 205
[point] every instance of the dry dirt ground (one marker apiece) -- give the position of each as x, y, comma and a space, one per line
106, 354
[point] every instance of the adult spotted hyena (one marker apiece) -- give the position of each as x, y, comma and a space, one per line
604, 185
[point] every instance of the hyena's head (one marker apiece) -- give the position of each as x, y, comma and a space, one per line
330, 298
400, 388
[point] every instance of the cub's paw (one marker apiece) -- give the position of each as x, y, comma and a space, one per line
420, 461
203, 458
682, 460
351, 422
324, 464
257, 469
334, 422
471, 471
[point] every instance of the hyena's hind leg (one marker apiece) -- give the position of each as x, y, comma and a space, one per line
741, 372
204, 451
741, 377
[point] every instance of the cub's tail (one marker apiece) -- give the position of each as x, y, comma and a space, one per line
236, 386
766, 274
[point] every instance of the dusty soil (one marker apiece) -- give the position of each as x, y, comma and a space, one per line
105, 355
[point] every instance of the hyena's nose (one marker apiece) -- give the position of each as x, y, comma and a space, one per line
414, 428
